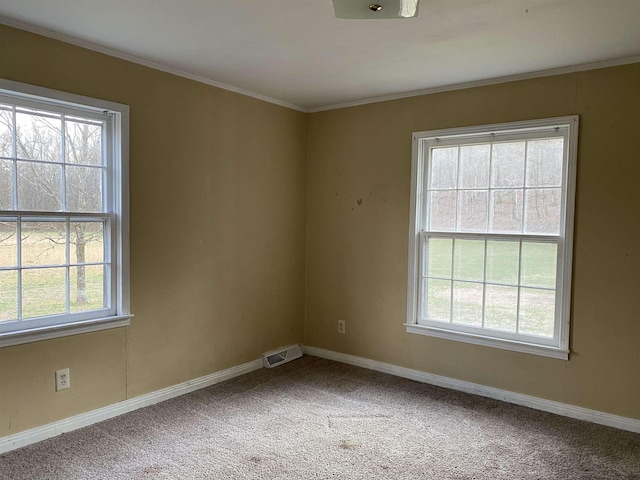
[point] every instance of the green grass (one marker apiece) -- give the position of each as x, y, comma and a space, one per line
44, 289
456, 266
8, 296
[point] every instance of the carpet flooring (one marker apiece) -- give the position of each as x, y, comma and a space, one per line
317, 419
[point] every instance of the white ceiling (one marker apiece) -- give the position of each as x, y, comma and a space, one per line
295, 52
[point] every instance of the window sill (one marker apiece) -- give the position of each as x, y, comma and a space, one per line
530, 348
45, 333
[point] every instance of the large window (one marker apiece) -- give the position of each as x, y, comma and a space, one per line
63, 214
491, 234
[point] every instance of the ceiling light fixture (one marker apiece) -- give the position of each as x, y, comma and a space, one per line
364, 9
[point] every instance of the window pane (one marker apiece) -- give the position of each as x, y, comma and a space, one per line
43, 243
87, 242
6, 137
539, 264
43, 292
537, 312
502, 262
39, 186
8, 295
8, 244
507, 165
472, 211
501, 308
38, 137
6, 184
544, 162
438, 300
83, 143
86, 288
542, 211
467, 303
444, 165
439, 257
506, 211
474, 166
469, 260
442, 210
84, 189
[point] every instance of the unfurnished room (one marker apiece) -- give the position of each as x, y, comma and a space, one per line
329, 239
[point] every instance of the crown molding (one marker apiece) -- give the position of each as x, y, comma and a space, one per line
10, 22
583, 67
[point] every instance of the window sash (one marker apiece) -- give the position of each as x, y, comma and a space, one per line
105, 167
109, 279
423, 278
427, 146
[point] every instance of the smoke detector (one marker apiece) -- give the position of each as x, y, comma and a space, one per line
375, 10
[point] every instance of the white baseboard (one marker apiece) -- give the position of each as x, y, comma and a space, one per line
27, 437
580, 413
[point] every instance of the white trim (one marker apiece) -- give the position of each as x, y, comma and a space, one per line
120, 145
583, 67
566, 410
517, 129
415, 208
569, 222
58, 98
10, 22
116, 118
22, 439
63, 330
484, 340
556, 347
28, 437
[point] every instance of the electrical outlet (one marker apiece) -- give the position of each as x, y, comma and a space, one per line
341, 326
62, 379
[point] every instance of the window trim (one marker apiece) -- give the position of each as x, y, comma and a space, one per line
560, 349
119, 148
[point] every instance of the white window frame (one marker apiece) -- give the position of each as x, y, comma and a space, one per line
116, 149
558, 346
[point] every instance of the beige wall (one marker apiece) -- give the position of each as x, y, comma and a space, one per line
219, 184
358, 180
217, 236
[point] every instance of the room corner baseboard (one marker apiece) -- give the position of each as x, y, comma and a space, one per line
537, 403
27, 437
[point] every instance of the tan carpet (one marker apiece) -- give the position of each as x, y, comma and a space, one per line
317, 419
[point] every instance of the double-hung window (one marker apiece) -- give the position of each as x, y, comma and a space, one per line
491, 234
63, 214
